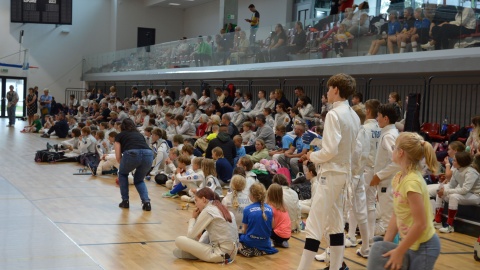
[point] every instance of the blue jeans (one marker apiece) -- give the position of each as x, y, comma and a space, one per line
422, 259
139, 160
11, 114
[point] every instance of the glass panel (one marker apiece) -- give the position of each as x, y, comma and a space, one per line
19, 85
356, 34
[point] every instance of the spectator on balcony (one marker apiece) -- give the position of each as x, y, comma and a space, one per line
394, 28
254, 23
360, 22
277, 48
299, 39
422, 28
202, 52
240, 48
396, 5
341, 40
221, 50
465, 23
404, 36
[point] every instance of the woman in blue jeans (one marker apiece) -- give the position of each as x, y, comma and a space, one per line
419, 246
133, 153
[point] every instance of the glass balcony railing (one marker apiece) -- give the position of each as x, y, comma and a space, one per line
353, 34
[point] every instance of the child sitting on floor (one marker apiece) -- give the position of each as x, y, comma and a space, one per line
182, 172
281, 220
237, 140
35, 127
222, 165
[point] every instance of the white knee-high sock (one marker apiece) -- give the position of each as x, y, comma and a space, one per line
336, 256
306, 260
352, 225
364, 232
414, 46
402, 47
371, 223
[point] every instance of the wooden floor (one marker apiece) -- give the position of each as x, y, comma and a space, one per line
51, 219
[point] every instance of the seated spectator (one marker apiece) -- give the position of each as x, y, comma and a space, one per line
463, 189
60, 127
394, 28
264, 132
204, 101
299, 39
184, 128
407, 30
473, 141
341, 40
465, 23
260, 153
290, 159
295, 119
35, 127
250, 177
268, 113
276, 50
281, 117
237, 140
237, 199
311, 175
214, 219
240, 48
281, 231
202, 52
280, 98
247, 135
257, 225
238, 116
223, 140
182, 176
284, 144
420, 31
290, 201
221, 50
86, 141
222, 166
306, 109
232, 129
247, 102
360, 23
261, 102
193, 114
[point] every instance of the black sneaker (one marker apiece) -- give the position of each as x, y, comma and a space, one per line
92, 168
124, 204
344, 267
147, 206
49, 146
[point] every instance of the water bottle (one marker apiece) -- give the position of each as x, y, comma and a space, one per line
443, 130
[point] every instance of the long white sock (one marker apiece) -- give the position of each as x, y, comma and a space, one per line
414, 46
364, 232
402, 47
352, 225
336, 256
306, 260
371, 223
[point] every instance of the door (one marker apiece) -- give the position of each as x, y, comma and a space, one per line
145, 37
19, 85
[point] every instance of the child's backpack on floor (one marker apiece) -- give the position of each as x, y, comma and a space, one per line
304, 190
89, 159
48, 156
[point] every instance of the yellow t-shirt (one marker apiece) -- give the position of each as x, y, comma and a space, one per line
211, 136
412, 182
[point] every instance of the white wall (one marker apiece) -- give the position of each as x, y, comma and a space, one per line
58, 55
202, 20
132, 14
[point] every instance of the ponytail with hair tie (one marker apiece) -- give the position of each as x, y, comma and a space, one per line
262, 205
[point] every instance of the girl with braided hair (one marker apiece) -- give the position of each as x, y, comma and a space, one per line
236, 200
257, 225
412, 214
210, 216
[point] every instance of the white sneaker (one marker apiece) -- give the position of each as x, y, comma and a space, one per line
154, 172
447, 229
324, 257
427, 46
437, 225
363, 254
350, 242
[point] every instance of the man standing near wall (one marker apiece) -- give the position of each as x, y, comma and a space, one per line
12, 98
254, 23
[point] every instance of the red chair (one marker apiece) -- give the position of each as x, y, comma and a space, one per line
450, 130
430, 128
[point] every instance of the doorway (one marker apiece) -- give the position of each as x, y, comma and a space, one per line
19, 83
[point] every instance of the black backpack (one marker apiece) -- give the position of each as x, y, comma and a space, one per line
48, 156
304, 190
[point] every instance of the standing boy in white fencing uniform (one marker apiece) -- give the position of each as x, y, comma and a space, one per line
384, 168
334, 169
374, 131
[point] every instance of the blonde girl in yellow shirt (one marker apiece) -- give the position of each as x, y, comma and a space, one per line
419, 246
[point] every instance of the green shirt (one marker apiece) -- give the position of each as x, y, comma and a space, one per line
37, 124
